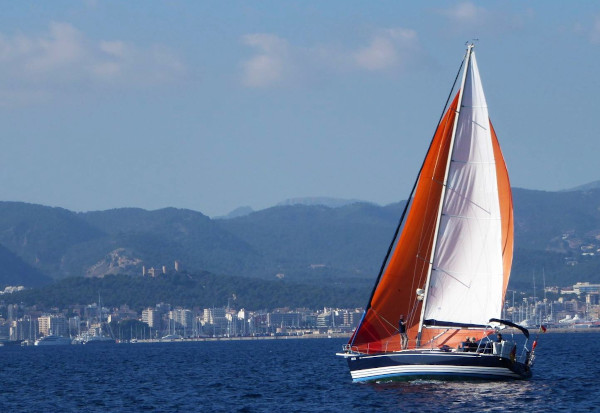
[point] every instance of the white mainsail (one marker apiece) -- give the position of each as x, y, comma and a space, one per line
466, 282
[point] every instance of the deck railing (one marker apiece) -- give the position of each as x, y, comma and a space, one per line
505, 349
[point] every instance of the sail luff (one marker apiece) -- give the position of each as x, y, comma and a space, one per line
468, 274
443, 194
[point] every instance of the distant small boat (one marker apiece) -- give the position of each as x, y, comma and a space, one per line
171, 337
53, 340
99, 340
87, 338
447, 268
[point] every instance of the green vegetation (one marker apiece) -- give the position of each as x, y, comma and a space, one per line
201, 290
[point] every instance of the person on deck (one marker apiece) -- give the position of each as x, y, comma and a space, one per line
470, 344
402, 331
474, 345
499, 337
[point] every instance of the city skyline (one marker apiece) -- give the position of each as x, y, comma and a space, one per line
573, 307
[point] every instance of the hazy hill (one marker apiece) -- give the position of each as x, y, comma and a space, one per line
14, 271
557, 232
319, 200
238, 212
41, 235
316, 242
585, 187
542, 219
158, 238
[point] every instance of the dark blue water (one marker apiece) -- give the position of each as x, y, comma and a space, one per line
294, 375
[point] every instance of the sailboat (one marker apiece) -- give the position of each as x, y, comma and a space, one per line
447, 268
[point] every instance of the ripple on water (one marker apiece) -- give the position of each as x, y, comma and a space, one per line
275, 375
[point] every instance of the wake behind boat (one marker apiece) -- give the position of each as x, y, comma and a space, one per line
440, 291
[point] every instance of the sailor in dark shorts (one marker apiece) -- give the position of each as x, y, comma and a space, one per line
402, 331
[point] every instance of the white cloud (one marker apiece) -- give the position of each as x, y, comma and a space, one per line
466, 12
115, 48
389, 48
41, 65
276, 61
61, 48
268, 65
470, 18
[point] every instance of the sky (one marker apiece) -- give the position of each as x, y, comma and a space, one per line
211, 105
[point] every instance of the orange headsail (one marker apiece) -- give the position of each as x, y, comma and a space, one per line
406, 269
506, 210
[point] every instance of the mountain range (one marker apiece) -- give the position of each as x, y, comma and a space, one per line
557, 239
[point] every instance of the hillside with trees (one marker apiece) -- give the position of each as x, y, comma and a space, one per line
557, 234
199, 290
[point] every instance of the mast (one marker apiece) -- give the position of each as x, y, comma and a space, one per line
443, 194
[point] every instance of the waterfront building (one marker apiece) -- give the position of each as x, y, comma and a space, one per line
572, 306
233, 324
324, 320
123, 313
243, 317
213, 315
53, 325
592, 298
11, 312
350, 319
289, 319
310, 320
182, 319
215, 322
586, 288
151, 317
4, 330
25, 328
74, 325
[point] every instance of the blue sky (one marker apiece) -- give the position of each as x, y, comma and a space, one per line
215, 105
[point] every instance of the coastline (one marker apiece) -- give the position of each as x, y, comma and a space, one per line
243, 338
558, 330
337, 335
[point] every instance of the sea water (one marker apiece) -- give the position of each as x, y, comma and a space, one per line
282, 375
